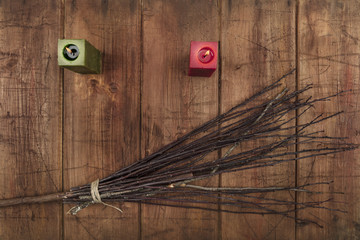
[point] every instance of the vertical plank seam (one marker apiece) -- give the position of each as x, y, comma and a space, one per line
62, 112
297, 65
219, 108
141, 59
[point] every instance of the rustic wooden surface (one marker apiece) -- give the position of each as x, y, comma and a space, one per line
102, 114
60, 129
30, 122
257, 44
174, 103
328, 36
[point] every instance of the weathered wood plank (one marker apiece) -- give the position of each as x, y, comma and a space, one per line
102, 112
329, 58
30, 121
173, 103
102, 115
257, 47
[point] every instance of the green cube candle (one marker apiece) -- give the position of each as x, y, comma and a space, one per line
79, 55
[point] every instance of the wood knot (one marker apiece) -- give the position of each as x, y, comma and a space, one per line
94, 82
113, 87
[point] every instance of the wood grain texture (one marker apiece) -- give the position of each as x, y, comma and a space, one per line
144, 99
173, 103
30, 121
257, 47
329, 58
102, 112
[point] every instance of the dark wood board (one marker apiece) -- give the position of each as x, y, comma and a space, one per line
30, 122
328, 36
257, 47
102, 113
174, 103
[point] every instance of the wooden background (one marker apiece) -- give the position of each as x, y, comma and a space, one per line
60, 129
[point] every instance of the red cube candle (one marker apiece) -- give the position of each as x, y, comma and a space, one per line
203, 58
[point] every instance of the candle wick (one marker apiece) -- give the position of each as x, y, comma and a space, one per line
207, 53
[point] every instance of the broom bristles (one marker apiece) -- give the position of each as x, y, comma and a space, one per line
164, 177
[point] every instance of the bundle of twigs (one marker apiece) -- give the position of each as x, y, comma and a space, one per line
167, 176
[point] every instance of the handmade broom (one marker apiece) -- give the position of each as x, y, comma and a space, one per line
166, 177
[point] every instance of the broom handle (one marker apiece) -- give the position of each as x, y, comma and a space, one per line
28, 200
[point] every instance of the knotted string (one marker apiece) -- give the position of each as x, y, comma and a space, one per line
96, 198
96, 195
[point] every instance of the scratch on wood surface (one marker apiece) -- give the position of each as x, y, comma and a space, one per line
274, 227
11, 24
251, 228
92, 236
260, 45
87, 166
346, 34
330, 58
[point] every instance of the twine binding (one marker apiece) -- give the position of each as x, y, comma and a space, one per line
96, 198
